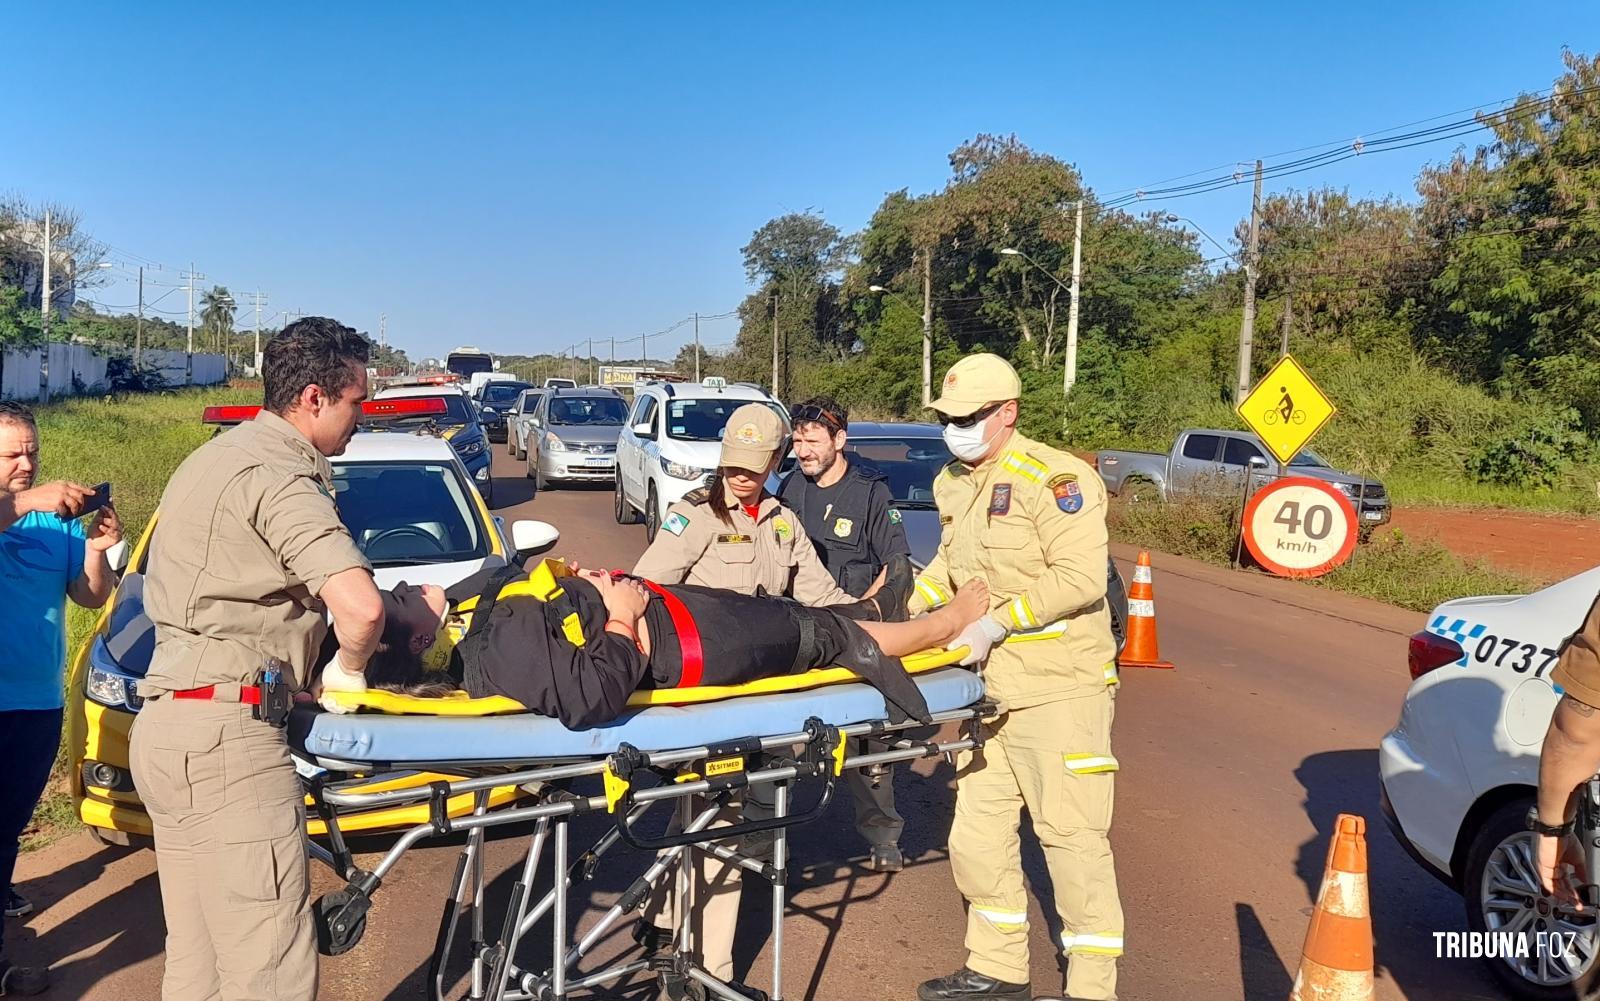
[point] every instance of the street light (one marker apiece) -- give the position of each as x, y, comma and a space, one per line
1069, 366
1171, 218
927, 328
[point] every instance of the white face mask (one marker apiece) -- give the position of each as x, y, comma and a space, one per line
969, 444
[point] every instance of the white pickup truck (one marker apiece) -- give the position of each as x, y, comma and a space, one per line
1207, 459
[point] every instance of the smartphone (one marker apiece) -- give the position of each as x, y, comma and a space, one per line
102, 497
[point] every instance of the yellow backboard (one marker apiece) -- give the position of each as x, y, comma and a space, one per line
1286, 409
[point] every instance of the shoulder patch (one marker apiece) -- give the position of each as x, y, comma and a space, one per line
675, 524
1069, 496
894, 516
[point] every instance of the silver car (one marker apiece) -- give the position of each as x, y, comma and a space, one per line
572, 436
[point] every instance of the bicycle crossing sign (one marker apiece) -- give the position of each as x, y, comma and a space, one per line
1286, 409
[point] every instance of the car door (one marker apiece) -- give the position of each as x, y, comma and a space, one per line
1238, 455
1196, 461
644, 412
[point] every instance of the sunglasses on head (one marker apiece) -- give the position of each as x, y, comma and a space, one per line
815, 415
970, 419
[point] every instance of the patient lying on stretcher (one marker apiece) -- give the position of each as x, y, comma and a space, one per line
578, 657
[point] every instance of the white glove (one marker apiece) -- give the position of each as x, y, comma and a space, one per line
338, 678
978, 638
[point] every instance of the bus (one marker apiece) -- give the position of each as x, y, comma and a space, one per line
468, 361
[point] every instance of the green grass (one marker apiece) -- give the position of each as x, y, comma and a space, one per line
135, 442
1422, 489
1391, 567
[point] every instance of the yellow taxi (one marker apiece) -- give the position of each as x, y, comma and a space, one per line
416, 513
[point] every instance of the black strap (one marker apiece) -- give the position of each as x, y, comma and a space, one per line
807, 650
471, 647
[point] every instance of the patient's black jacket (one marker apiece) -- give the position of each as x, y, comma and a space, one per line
523, 652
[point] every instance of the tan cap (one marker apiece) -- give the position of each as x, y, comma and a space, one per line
976, 381
754, 433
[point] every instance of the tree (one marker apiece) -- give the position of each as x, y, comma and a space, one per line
217, 309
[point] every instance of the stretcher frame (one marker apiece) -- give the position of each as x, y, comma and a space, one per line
817, 757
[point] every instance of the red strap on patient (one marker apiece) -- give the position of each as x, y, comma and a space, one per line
694, 662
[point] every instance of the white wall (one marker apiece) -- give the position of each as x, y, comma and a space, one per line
24, 370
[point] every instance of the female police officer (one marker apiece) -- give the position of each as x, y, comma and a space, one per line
733, 534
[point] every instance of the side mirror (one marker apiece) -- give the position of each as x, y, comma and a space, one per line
1257, 462
642, 430
531, 537
117, 556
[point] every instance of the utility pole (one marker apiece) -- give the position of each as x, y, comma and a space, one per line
383, 330
44, 286
697, 347
1069, 371
138, 330
1288, 319
593, 377
927, 327
775, 344
256, 361
1247, 326
188, 365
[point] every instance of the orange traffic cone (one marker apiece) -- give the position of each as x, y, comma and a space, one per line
1142, 650
1336, 963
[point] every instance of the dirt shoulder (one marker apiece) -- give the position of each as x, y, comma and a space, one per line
1545, 547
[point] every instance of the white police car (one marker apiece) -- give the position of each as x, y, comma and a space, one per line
671, 443
1460, 769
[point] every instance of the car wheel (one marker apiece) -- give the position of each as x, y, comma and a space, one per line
620, 508
1503, 895
529, 471
522, 453
652, 515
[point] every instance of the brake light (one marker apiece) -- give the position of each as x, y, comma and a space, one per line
1428, 652
409, 407
228, 415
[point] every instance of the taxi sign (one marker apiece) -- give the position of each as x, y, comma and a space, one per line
1286, 409
1299, 527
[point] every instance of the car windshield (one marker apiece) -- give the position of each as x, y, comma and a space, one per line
408, 513
503, 392
908, 464
704, 420
591, 411
1308, 458
456, 411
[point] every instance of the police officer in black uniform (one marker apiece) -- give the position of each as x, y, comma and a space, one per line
844, 508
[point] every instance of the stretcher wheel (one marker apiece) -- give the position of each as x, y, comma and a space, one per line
340, 918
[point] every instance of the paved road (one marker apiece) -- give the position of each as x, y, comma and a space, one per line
1234, 767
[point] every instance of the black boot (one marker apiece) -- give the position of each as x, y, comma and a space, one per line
966, 984
885, 673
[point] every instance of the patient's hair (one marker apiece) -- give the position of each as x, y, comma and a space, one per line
394, 668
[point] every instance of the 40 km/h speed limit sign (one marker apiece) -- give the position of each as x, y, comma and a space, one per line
1300, 527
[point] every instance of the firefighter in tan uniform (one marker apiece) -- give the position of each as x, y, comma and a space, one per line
249, 558
748, 542
1030, 521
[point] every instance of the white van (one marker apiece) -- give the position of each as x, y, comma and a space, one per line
671, 443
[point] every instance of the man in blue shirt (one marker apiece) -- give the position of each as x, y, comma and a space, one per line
45, 558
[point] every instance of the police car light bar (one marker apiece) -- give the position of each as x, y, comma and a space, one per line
228, 415
415, 406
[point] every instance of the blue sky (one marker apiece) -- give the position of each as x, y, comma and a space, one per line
525, 176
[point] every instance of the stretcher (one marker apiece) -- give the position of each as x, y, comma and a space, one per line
787, 735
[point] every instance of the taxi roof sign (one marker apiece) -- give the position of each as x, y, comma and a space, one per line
1286, 409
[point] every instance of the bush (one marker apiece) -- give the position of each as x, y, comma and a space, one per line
125, 374
1534, 454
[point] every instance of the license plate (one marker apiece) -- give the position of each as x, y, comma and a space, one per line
1372, 515
597, 462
